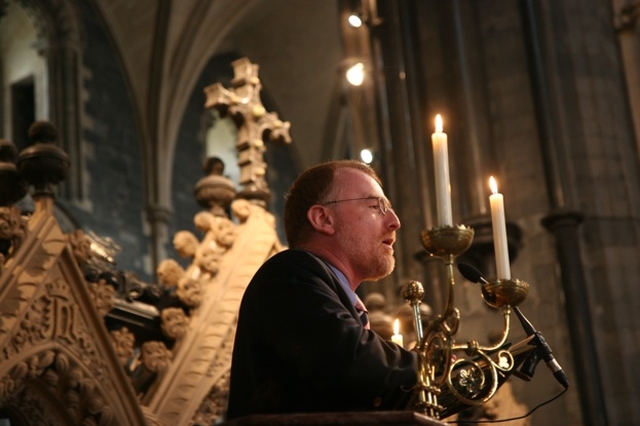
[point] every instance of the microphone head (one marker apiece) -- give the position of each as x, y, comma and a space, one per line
469, 272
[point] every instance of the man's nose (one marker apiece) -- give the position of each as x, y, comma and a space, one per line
394, 221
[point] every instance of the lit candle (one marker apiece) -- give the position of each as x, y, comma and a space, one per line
501, 247
397, 337
441, 165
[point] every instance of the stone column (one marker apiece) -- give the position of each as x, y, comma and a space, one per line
158, 218
64, 61
552, 98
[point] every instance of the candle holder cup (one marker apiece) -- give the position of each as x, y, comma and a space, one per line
446, 241
499, 293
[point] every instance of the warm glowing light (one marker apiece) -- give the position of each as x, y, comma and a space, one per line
397, 337
355, 74
493, 185
438, 123
366, 156
354, 20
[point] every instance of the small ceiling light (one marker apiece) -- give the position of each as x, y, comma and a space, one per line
366, 156
355, 20
355, 74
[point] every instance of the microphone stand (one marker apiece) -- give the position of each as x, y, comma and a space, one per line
542, 352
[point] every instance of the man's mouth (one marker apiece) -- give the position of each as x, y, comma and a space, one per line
389, 242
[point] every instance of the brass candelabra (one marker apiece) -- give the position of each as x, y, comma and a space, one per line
460, 374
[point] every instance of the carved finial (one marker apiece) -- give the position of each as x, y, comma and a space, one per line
42, 132
213, 166
43, 164
214, 191
8, 151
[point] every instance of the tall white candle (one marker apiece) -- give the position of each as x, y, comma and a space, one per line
441, 166
499, 224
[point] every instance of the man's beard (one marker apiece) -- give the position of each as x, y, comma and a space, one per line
372, 263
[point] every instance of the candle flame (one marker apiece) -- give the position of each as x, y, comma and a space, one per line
493, 185
396, 327
438, 123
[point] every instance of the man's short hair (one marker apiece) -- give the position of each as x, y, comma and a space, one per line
311, 187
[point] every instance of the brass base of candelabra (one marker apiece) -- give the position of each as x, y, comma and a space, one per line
510, 292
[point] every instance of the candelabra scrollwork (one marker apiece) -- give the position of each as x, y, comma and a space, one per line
465, 373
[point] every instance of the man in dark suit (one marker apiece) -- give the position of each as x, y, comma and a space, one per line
302, 342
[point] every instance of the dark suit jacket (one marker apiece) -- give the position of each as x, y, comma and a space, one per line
300, 347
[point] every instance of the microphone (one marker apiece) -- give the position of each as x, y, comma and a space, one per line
542, 351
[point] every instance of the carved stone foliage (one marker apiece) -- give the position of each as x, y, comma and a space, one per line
150, 364
51, 315
12, 231
123, 342
209, 289
156, 357
32, 360
214, 404
197, 313
206, 257
174, 323
55, 364
102, 296
51, 374
81, 246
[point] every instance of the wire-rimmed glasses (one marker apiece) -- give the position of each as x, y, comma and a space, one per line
383, 204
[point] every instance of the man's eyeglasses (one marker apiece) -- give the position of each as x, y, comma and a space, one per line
383, 204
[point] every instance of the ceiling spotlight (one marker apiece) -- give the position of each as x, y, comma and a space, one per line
355, 74
366, 156
355, 20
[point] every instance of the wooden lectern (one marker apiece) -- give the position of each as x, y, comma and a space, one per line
377, 418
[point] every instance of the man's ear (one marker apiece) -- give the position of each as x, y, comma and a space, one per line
321, 219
